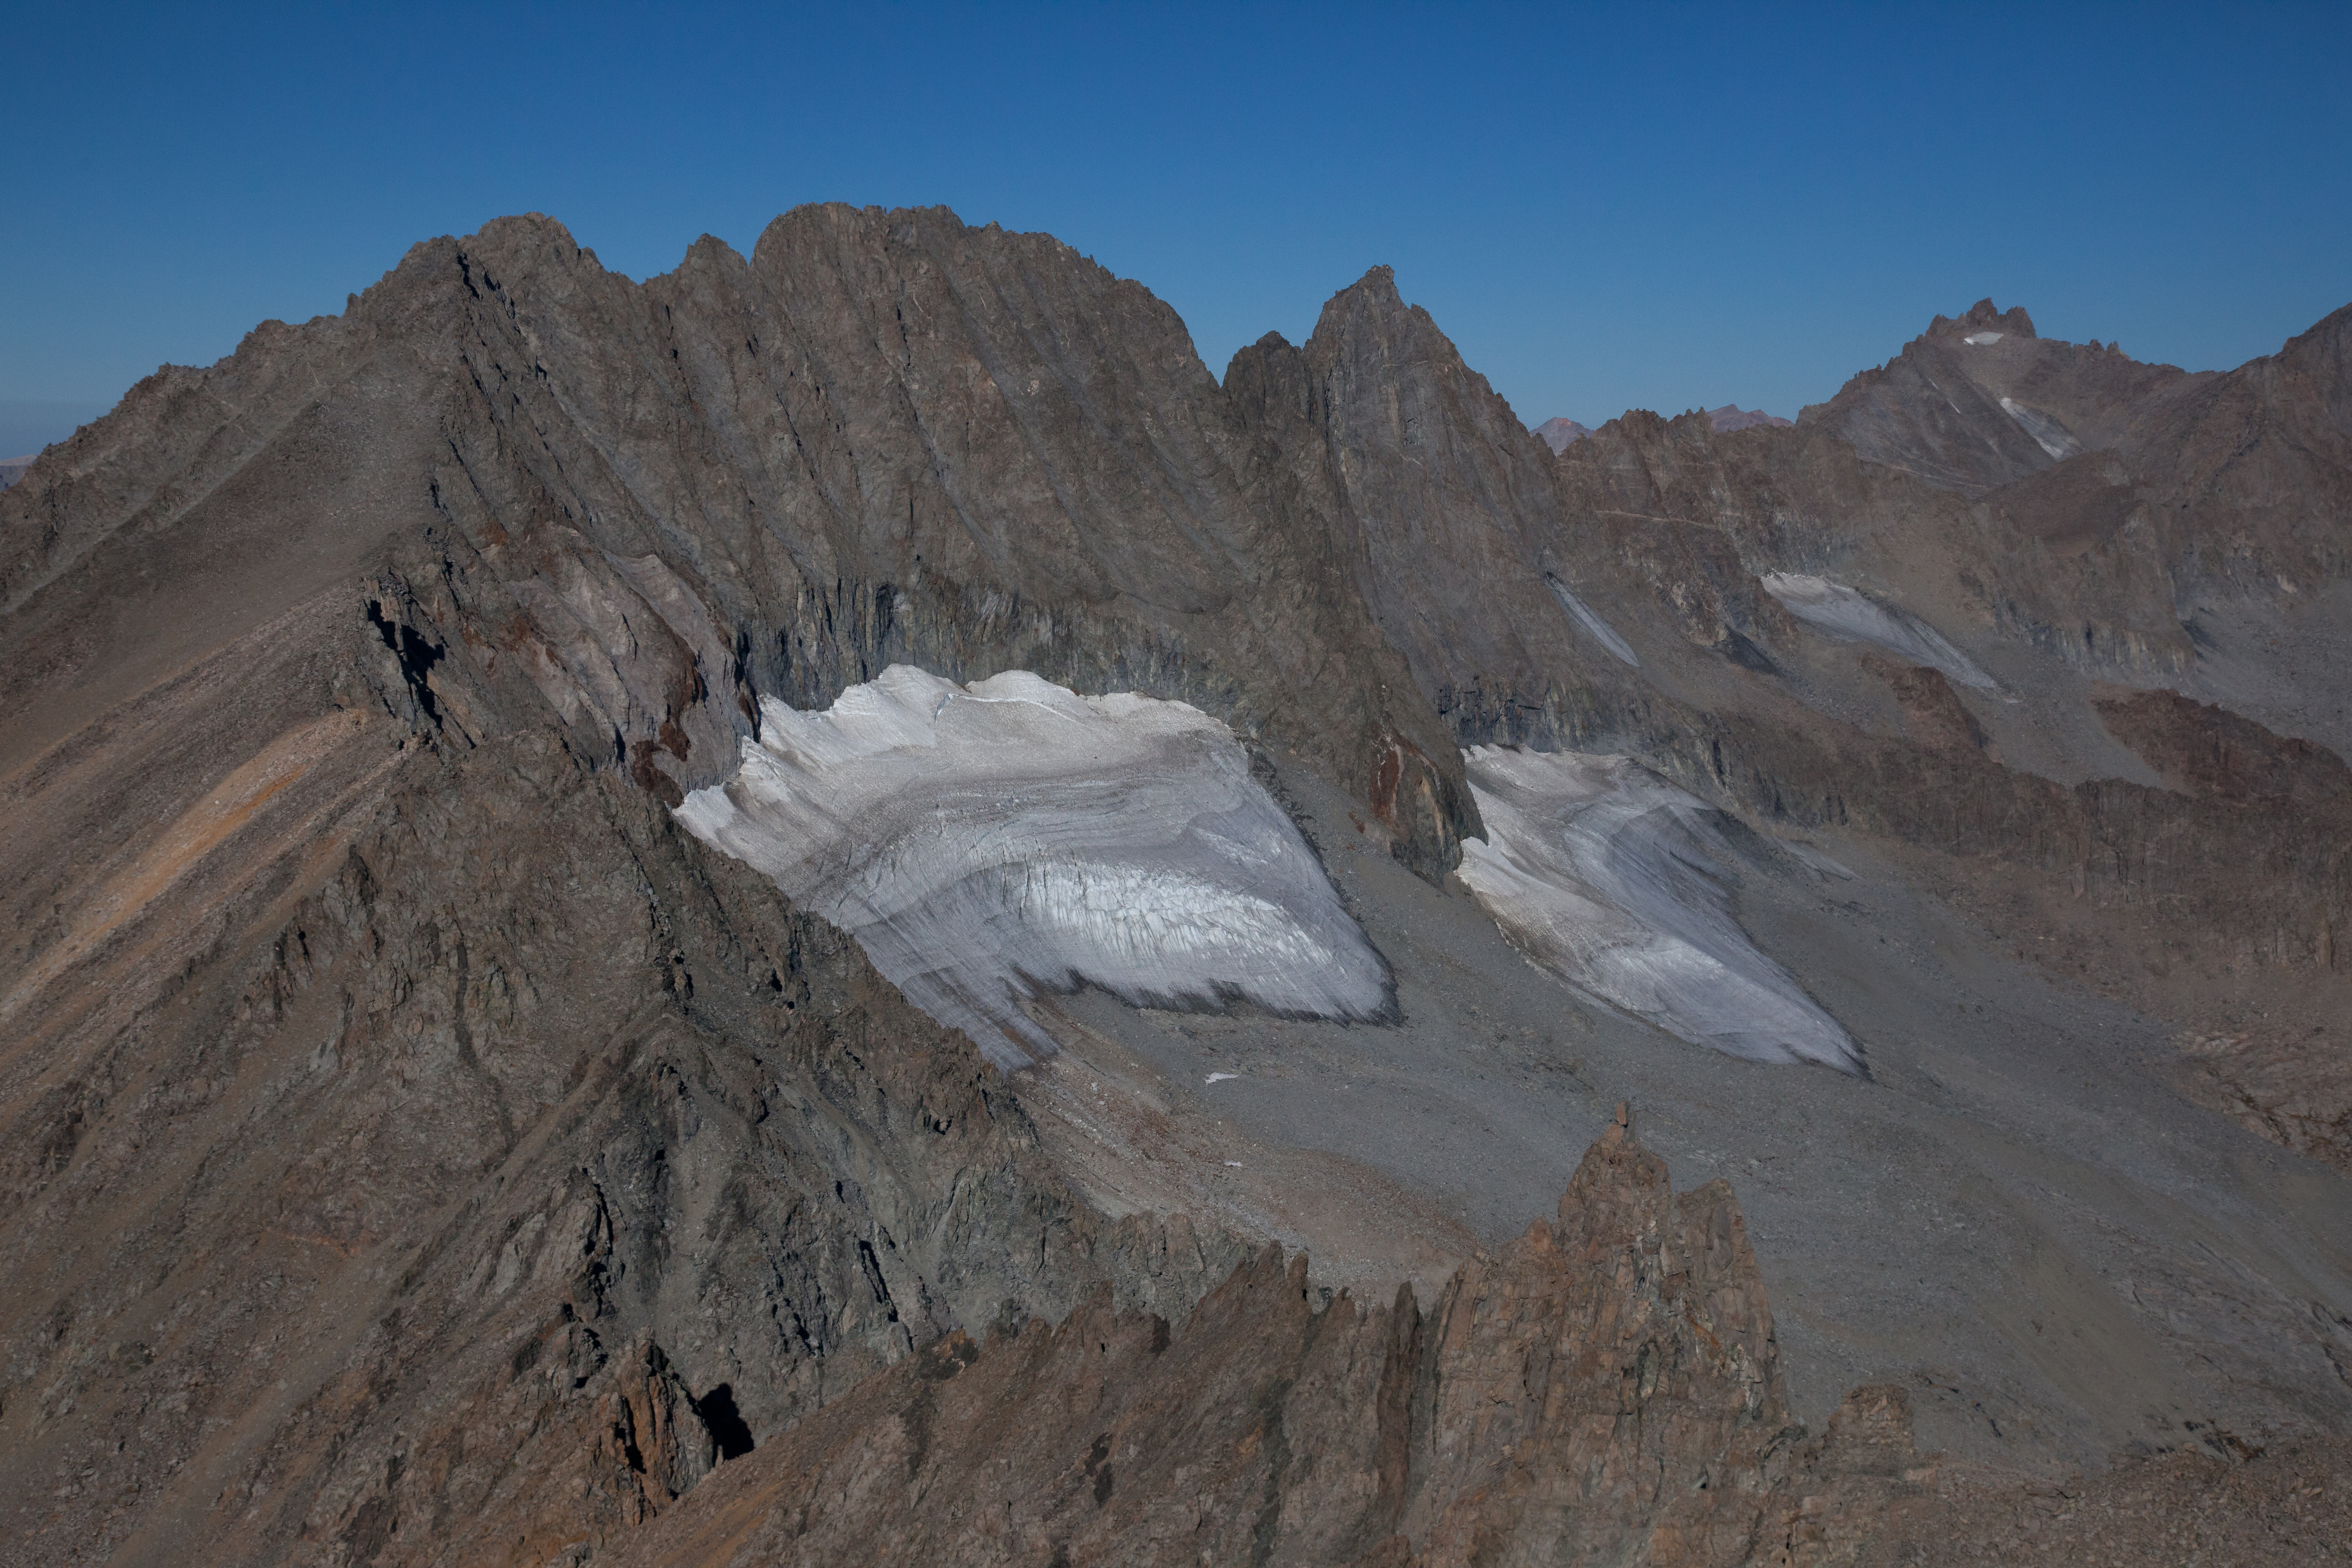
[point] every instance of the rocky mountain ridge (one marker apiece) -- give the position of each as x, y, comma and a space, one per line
415, 1131
1606, 1388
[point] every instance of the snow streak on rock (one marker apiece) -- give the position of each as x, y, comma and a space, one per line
1613, 880
2051, 436
1849, 613
1600, 631
983, 842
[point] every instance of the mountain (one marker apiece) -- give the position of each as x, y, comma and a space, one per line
1558, 432
647, 914
1731, 416
1980, 401
13, 469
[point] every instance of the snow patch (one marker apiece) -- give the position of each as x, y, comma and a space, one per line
983, 842
1600, 631
1615, 881
1982, 339
2048, 434
1221, 1077
1853, 615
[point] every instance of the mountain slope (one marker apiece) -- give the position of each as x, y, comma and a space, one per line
414, 1130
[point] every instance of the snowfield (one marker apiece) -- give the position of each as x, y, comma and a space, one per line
1854, 615
1612, 880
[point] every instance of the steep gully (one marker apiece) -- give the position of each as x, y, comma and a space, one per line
422, 1129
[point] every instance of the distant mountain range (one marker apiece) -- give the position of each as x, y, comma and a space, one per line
13, 469
1561, 434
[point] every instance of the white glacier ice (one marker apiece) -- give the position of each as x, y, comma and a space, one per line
1613, 880
2048, 434
983, 842
1853, 614
1599, 630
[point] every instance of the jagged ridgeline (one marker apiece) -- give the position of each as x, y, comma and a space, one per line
430, 1137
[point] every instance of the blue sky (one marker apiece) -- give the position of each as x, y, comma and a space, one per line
1630, 206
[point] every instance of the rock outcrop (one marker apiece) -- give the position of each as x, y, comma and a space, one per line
1605, 1390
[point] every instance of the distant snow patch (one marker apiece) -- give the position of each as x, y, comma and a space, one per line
2048, 434
1982, 339
1614, 880
1851, 614
1600, 631
982, 842
1221, 1077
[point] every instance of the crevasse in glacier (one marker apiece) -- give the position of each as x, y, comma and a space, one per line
985, 841
1854, 615
1613, 880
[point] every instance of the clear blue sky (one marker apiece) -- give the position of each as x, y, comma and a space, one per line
1630, 205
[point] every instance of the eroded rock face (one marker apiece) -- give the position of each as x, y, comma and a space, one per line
539, 1154
2204, 749
1607, 1389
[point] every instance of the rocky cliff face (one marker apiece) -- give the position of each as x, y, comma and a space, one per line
420, 1147
1607, 1389
533, 1156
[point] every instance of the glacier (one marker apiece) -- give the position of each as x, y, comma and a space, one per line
1853, 615
1614, 880
983, 842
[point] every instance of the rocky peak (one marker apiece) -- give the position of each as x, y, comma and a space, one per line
1731, 416
1984, 316
1561, 434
